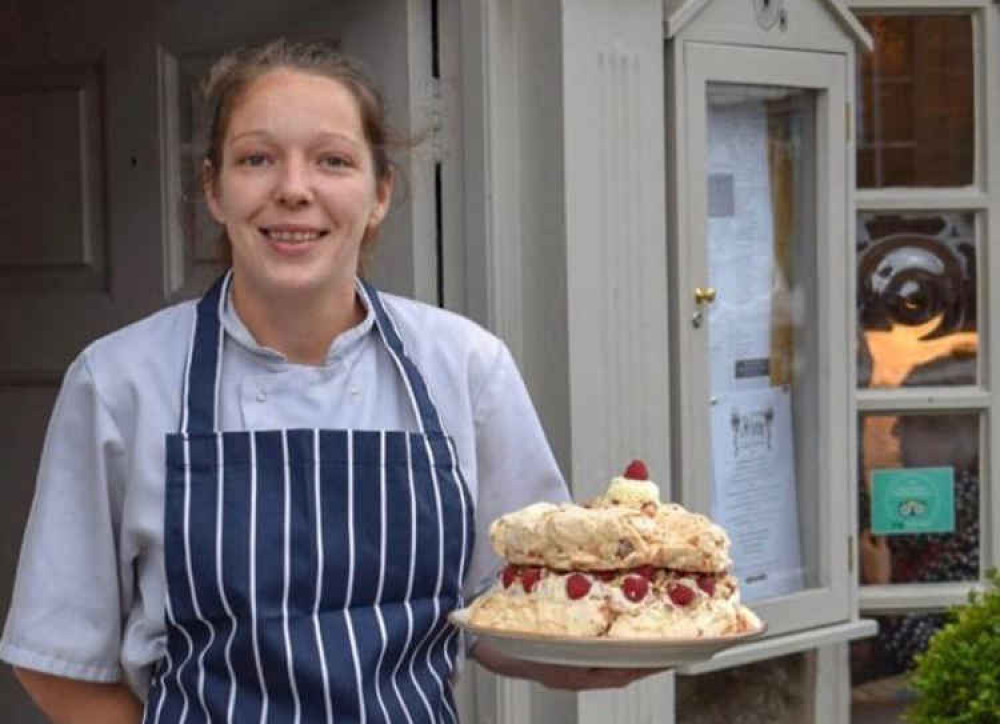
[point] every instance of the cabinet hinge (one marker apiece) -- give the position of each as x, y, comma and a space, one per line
850, 554
847, 121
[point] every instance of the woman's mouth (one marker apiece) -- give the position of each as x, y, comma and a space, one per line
291, 236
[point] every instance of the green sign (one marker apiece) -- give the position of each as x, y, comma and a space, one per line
913, 500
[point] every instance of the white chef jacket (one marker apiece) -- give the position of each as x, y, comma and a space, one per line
89, 597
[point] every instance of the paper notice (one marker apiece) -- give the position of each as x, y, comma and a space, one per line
754, 489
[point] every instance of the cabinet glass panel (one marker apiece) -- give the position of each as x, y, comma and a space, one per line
917, 299
916, 111
919, 498
762, 345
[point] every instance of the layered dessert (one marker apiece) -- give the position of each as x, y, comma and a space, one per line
624, 565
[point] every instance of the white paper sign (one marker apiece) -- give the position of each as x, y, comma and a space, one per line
754, 489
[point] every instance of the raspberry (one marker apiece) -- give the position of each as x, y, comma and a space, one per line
605, 576
636, 470
707, 584
577, 586
529, 577
635, 588
680, 594
508, 576
646, 572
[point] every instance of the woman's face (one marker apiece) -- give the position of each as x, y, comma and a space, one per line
296, 189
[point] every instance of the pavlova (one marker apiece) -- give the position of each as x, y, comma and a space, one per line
624, 565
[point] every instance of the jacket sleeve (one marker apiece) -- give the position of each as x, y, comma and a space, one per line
515, 463
65, 615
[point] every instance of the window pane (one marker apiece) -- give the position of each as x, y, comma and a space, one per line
764, 359
917, 299
916, 120
898, 453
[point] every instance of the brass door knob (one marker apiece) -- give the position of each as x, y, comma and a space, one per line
704, 295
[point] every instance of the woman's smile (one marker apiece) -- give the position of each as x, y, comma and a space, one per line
291, 241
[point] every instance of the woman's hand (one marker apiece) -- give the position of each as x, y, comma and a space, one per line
553, 676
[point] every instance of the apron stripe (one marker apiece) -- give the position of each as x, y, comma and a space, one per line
288, 570
467, 518
238, 519
441, 676
187, 373
450, 647
271, 576
253, 576
220, 491
159, 695
465, 512
180, 666
409, 588
411, 653
350, 577
190, 577
320, 577
335, 452
219, 346
381, 577
440, 567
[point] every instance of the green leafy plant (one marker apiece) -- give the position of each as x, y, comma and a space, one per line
957, 679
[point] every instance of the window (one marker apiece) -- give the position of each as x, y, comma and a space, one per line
926, 97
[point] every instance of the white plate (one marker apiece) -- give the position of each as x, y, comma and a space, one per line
599, 651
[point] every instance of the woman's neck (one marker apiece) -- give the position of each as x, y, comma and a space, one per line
300, 326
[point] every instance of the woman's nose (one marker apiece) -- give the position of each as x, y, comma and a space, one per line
293, 188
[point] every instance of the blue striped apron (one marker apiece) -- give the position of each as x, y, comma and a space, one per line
309, 572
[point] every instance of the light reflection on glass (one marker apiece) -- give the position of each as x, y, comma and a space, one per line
916, 302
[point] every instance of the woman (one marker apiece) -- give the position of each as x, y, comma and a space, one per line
247, 508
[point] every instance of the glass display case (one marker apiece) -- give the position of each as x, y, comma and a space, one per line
760, 281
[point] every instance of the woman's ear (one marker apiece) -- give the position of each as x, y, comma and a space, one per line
208, 188
383, 199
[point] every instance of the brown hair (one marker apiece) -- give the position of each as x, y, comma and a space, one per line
231, 76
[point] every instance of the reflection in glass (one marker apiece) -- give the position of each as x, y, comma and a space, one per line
913, 441
921, 441
878, 664
774, 691
200, 230
761, 230
916, 112
917, 299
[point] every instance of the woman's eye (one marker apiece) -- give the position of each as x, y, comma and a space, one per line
335, 161
254, 160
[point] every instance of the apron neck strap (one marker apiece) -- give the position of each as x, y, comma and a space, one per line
202, 377
424, 409
201, 389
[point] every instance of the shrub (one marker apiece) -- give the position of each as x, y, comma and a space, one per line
957, 679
